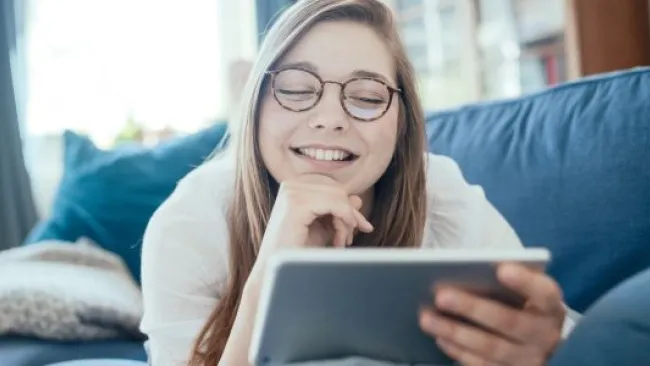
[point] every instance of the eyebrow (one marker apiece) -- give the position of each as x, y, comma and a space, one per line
356, 73
299, 65
370, 74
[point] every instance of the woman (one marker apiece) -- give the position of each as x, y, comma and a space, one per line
329, 151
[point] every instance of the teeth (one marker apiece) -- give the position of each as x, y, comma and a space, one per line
327, 155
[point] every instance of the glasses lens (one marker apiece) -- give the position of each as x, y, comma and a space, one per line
296, 89
366, 98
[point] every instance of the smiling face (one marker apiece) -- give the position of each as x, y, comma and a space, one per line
297, 139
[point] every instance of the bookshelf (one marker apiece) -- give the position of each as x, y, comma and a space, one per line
470, 50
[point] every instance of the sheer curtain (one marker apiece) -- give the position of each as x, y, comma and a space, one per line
97, 67
94, 66
17, 211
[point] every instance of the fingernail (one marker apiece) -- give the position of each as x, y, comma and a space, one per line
510, 272
426, 319
433, 323
446, 299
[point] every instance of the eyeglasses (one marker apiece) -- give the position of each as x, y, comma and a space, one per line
362, 98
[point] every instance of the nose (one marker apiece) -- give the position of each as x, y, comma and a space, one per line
329, 113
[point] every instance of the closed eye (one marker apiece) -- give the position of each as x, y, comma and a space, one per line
295, 92
368, 100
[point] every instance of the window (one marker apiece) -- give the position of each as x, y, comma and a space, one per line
96, 66
469, 50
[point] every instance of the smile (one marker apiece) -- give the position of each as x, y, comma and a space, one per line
325, 154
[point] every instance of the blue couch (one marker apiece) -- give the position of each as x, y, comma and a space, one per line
569, 167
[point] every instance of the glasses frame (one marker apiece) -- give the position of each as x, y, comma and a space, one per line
319, 95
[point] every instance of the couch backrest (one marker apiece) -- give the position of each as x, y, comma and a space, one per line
570, 169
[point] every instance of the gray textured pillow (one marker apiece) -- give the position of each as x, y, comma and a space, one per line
66, 291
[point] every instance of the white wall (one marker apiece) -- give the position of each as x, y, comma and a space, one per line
238, 35
44, 156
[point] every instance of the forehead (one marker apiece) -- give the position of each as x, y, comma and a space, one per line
336, 49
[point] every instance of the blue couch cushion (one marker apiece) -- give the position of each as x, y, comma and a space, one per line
16, 351
570, 169
109, 196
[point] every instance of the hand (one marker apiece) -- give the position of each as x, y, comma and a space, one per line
312, 211
510, 336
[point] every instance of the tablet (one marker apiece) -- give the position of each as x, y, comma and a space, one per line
325, 304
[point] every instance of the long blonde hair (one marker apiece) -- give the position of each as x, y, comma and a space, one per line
399, 212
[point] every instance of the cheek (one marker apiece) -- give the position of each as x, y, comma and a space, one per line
273, 136
380, 139
276, 126
384, 136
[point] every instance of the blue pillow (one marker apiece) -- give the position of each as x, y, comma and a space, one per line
109, 196
570, 169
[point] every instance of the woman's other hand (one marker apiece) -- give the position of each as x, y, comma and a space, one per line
509, 336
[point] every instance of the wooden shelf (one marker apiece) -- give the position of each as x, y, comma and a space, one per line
606, 35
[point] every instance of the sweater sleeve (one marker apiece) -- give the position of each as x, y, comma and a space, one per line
184, 264
460, 216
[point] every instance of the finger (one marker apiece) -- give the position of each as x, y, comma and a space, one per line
336, 208
362, 223
356, 202
350, 238
329, 203
460, 355
514, 324
541, 291
311, 180
346, 233
341, 233
485, 345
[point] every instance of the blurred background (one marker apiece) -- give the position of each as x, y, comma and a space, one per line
143, 71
